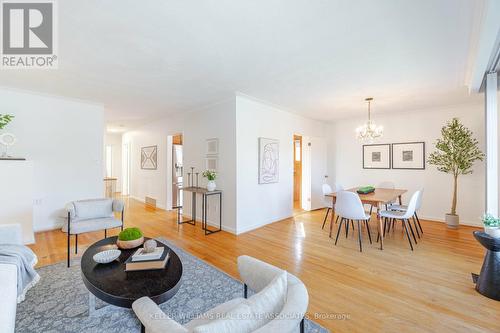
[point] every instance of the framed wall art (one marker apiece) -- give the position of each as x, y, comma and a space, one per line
149, 158
409, 155
377, 156
269, 155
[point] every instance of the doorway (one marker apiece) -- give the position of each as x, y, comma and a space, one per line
126, 169
177, 170
297, 172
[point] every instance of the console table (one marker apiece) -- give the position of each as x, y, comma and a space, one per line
205, 194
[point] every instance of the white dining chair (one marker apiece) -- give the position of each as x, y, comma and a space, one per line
416, 220
349, 208
403, 216
328, 202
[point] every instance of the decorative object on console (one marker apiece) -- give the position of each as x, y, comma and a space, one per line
130, 238
105, 257
7, 140
377, 156
269, 152
410, 155
491, 225
149, 158
211, 175
456, 152
369, 131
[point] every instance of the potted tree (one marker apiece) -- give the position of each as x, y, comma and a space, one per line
456, 152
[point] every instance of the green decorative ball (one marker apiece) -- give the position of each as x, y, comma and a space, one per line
130, 234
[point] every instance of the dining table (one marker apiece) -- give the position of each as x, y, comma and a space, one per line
377, 199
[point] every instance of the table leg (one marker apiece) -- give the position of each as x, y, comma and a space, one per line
91, 304
333, 216
380, 227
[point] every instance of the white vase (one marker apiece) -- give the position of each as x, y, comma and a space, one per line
211, 185
492, 231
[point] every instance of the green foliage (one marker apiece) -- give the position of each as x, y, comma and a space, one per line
456, 152
5, 119
457, 149
490, 221
129, 234
209, 174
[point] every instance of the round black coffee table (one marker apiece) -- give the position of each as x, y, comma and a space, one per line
110, 282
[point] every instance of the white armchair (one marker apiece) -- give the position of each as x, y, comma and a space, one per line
91, 215
9, 234
260, 277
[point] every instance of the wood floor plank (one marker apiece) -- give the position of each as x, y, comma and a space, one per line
394, 290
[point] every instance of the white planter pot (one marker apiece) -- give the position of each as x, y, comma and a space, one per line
452, 221
211, 185
492, 231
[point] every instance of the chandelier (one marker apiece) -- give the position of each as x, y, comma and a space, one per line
369, 131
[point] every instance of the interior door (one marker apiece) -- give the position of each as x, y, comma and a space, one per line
313, 172
297, 170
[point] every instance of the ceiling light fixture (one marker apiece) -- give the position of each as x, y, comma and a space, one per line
369, 131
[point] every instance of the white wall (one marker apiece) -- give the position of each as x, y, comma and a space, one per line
64, 139
260, 204
115, 141
16, 196
345, 160
213, 121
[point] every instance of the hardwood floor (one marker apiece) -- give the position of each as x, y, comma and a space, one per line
394, 290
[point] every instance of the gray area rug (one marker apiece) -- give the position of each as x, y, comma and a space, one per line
59, 302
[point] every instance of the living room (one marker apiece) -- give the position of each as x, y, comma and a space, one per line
176, 139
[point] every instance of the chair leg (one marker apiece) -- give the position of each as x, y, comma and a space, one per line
331, 220
326, 216
245, 290
302, 326
408, 235
368, 230
412, 233
418, 221
359, 237
76, 243
69, 246
338, 230
105, 233
385, 225
347, 227
416, 226
337, 219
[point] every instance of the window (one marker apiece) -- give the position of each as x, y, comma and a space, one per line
109, 161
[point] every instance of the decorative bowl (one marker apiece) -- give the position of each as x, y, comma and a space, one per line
125, 245
105, 257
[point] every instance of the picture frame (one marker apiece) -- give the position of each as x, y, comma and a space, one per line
149, 158
408, 155
212, 146
212, 163
268, 161
377, 156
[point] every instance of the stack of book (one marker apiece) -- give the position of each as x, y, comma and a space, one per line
141, 260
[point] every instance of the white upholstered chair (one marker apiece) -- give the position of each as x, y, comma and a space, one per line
91, 215
350, 208
404, 216
416, 220
277, 292
328, 202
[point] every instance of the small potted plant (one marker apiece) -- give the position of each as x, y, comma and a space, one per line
491, 225
130, 238
5, 119
456, 152
211, 175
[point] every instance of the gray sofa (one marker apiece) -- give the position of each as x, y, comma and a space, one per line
91, 215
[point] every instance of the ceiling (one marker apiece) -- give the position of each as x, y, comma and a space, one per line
146, 59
